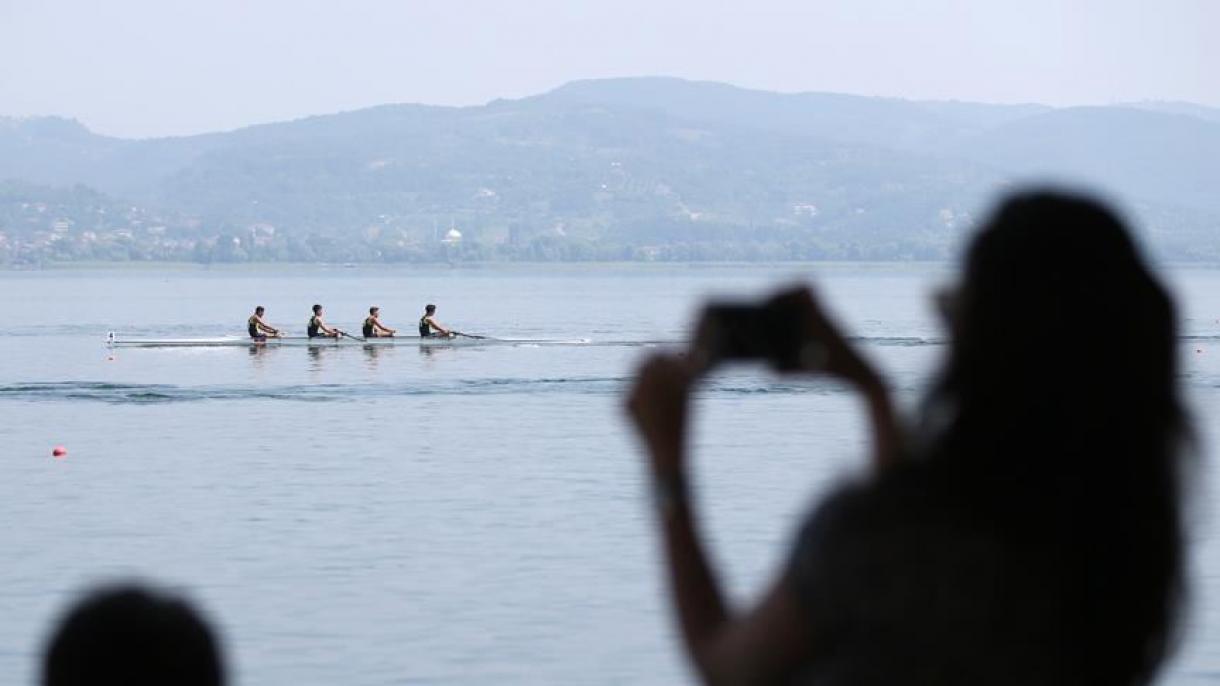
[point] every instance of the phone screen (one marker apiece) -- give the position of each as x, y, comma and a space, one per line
749, 332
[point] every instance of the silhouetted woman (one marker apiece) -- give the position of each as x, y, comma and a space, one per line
1028, 533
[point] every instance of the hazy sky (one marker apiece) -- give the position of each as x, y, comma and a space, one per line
159, 67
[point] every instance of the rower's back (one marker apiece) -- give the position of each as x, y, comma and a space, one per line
425, 322
314, 328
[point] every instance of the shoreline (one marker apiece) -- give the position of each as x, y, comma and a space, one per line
279, 268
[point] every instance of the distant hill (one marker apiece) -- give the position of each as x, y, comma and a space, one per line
649, 168
1169, 107
879, 122
1138, 154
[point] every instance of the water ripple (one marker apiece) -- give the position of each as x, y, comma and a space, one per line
152, 394
122, 393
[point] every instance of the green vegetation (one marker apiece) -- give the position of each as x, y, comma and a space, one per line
630, 169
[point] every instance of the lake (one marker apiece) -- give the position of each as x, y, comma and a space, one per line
466, 515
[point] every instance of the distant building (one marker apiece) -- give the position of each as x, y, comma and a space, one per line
452, 236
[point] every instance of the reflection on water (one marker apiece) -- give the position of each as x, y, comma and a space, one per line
316, 355
374, 353
321, 358
430, 352
258, 356
371, 354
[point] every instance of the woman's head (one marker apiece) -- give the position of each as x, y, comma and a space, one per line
1057, 418
1059, 330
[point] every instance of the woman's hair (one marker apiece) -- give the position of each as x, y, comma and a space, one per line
1056, 417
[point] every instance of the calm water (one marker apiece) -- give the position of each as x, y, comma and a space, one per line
453, 516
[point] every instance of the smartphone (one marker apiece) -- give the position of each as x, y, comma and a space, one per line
773, 333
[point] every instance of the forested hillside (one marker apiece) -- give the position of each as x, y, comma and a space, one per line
614, 169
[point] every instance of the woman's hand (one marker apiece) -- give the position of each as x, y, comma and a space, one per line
830, 353
824, 348
658, 405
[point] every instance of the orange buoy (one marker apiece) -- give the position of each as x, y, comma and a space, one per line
59, 451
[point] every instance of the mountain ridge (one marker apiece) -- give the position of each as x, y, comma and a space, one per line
617, 169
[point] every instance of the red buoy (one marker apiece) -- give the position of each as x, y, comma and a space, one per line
59, 451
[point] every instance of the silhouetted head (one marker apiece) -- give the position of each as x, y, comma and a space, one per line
1058, 328
374, 310
132, 636
1058, 417
317, 309
259, 310
429, 309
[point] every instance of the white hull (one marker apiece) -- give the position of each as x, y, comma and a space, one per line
116, 341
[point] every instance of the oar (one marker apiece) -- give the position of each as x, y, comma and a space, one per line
348, 335
468, 335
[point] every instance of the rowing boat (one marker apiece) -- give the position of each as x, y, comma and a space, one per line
115, 341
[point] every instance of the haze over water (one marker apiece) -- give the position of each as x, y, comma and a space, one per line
456, 515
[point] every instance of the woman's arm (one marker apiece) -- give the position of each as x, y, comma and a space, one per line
767, 644
775, 640
839, 359
887, 434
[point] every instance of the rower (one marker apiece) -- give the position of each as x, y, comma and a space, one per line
373, 328
318, 328
259, 329
429, 327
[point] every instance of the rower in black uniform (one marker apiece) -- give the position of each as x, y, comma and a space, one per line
259, 329
318, 328
373, 328
429, 327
